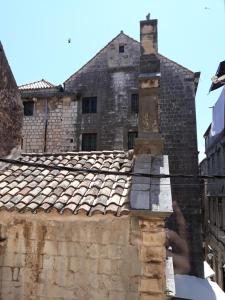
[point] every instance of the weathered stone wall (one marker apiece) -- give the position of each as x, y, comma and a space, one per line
51, 256
112, 77
11, 117
112, 86
178, 126
52, 126
67, 257
149, 234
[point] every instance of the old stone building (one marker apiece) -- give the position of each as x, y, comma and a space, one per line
214, 194
10, 110
97, 109
74, 222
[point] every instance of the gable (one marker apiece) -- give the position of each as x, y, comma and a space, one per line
109, 56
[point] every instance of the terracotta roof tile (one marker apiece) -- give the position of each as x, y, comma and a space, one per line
41, 84
30, 188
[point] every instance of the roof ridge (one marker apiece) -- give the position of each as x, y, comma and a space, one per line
36, 82
101, 50
163, 56
75, 152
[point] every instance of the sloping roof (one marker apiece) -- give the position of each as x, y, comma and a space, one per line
29, 188
207, 131
100, 51
41, 84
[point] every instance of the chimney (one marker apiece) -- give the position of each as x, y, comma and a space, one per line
149, 140
11, 115
150, 197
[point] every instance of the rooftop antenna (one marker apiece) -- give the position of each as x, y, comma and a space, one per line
148, 16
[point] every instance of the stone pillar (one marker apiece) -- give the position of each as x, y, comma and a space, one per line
11, 115
149, 140
150, 198
152, 254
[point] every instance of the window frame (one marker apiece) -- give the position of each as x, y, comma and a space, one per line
134, 103
89, 105
131, 135
90, 145
121, 48
27, 111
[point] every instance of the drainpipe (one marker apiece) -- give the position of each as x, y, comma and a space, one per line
46, 125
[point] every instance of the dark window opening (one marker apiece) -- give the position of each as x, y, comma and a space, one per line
223, 270
121, 49
131, 138
71, 140
89, 105
134, 103
28, 108
89, 141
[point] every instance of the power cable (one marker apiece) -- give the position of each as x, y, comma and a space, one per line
104, 172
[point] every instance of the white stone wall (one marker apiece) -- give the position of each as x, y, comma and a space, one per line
49, 256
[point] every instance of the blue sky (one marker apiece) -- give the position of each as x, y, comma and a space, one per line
35, 33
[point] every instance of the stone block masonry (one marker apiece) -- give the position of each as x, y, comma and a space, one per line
11, 117
67, 257
51, 256
112, 77
51, 131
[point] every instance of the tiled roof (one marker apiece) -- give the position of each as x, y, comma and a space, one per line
28, 188
41, 84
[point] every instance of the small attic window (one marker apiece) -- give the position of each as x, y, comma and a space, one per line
121, 49
28, 108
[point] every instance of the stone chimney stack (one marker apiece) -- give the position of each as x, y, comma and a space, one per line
11, 114
149, 140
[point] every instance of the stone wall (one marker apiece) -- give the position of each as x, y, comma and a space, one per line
52, 126
11, 117
112, 77
49, 256
66, 257
178, 126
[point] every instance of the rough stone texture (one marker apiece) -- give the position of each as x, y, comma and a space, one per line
149, 234
178, 126
51, 128
49, 256
213, 203
10, 109
113, 77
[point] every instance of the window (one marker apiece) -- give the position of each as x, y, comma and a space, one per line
28, 108
131, 138
89, 141
134, 103
121, 49
89, 105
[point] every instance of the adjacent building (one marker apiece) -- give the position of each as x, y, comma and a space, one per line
214, 192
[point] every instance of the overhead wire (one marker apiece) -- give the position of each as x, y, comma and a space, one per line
108, 172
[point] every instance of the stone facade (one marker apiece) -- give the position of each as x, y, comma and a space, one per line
213, 204
50, 256
112, 77
11, 117
51, 128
